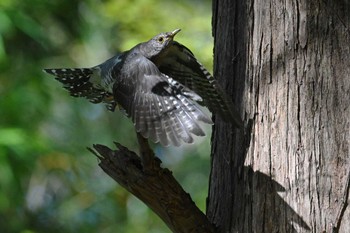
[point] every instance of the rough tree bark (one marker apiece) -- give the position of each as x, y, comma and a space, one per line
287, 66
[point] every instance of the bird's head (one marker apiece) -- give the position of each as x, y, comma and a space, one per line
159, 43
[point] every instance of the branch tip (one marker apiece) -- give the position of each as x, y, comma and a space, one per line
94, 152
120, 146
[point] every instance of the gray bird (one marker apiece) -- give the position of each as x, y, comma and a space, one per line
158, 84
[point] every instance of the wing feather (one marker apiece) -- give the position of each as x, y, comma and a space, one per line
161, 108
179, 63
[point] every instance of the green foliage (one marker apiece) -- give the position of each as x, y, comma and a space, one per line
49, 182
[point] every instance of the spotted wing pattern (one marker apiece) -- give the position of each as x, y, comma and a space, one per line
78, 82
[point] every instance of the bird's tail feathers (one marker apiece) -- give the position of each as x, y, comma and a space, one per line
83, 82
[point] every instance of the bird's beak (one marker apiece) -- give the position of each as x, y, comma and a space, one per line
173, 33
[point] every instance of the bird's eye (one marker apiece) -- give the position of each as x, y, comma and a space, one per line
161, 39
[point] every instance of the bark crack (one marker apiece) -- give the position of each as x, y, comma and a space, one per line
298, 118
344, 205
298, 22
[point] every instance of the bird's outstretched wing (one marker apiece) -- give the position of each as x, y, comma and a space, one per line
78, 82
179, 63
161, 108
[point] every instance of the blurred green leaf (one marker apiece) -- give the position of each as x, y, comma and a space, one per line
12, 137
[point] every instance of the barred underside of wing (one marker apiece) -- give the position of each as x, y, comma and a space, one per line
167, 119
161, 108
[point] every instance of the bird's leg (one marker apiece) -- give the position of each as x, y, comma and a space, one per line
146, 154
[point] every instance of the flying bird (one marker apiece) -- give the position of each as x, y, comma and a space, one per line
159, 84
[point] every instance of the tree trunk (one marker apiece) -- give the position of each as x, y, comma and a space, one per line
287, 67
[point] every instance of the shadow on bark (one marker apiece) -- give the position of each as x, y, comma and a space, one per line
244, 200
264, 191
